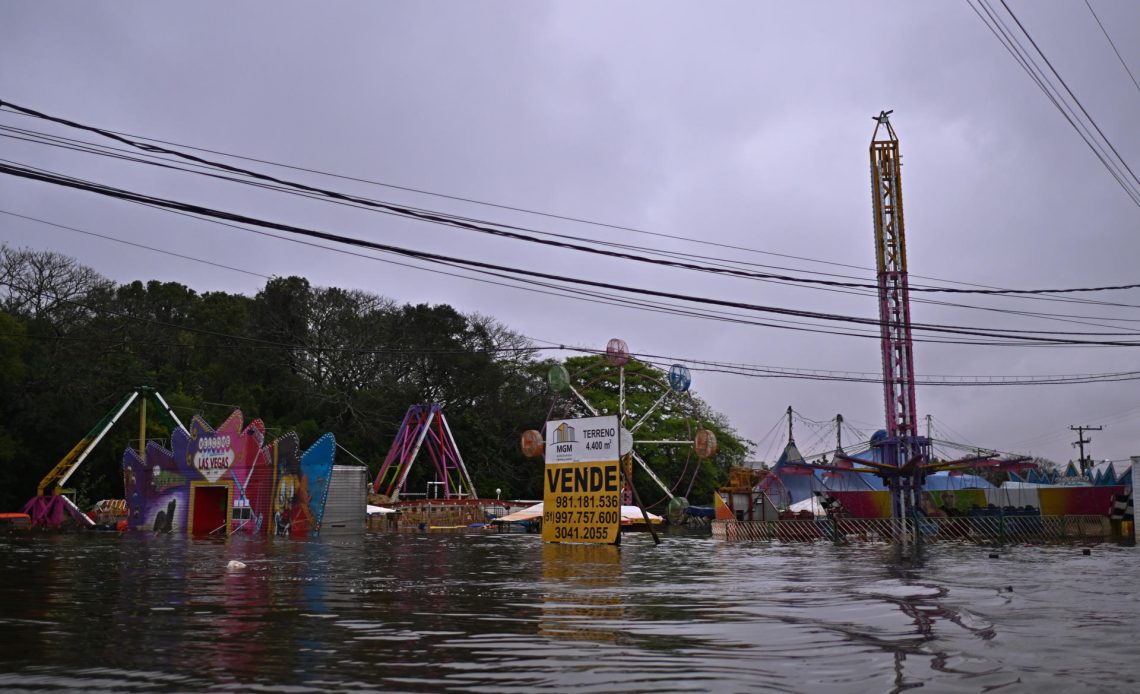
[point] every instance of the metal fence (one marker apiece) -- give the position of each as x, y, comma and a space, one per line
982, 530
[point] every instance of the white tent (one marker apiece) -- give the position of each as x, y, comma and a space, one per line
809, 504
373, 510
527, 514
629, 515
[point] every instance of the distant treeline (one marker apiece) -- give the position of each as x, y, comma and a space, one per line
301, 358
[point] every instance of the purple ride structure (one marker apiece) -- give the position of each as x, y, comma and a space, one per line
424, 427
451, 502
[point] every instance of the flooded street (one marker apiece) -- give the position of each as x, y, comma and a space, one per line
505, 613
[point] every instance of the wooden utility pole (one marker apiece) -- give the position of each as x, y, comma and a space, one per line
1080, 443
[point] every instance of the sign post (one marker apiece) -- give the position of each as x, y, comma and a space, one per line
581, 500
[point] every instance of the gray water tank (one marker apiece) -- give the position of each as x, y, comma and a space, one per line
347, 499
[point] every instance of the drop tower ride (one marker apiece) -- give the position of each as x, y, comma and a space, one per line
904, 452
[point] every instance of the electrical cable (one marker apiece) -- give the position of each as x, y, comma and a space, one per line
558, 290
997, 26
1033, 297
1061, 318
661, 362
504, 230
1070, 91
580, 220
1013, 45
1113, 44
1022, 335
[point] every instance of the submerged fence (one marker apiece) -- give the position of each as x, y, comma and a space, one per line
982, 530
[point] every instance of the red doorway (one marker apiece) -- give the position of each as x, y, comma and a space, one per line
209, 509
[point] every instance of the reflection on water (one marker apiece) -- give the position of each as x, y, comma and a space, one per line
505, 613
582, 597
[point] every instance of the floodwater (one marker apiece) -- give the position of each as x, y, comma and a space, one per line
505, 613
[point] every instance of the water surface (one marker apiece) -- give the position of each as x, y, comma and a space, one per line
505, 613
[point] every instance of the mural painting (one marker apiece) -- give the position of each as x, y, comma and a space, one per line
302, 483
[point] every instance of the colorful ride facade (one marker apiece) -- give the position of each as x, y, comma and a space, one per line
227, 481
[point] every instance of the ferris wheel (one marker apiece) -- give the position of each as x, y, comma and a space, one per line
670, 397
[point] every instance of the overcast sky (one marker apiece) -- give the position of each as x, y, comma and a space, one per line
745, 124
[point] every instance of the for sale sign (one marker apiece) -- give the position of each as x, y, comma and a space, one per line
581, 499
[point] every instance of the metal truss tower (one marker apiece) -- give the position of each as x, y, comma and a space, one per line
903, 448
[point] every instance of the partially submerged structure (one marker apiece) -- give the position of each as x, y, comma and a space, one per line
228, 480
897, 490
52, 507
849, 502
449, 501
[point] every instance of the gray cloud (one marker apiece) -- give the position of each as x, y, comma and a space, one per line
741, 123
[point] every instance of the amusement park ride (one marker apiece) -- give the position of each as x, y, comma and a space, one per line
51, 491
904, 455
453, 494
671, 394
424, 425
52, 483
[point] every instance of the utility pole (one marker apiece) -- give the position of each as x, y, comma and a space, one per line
1080, 443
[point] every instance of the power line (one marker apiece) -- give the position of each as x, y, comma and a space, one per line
1013, 45
136, 245
580, 220
439, 258
95, 149
1114, 49
513, 283
1031, 297
927, 379
661, 362
770, 370
56, 141
560, 292
530, 286
1070, 91
506, 232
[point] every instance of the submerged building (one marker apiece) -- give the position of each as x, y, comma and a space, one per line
228, 480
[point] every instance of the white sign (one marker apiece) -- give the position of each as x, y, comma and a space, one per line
582, 440
214, 457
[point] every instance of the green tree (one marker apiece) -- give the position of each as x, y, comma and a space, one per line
13, 345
